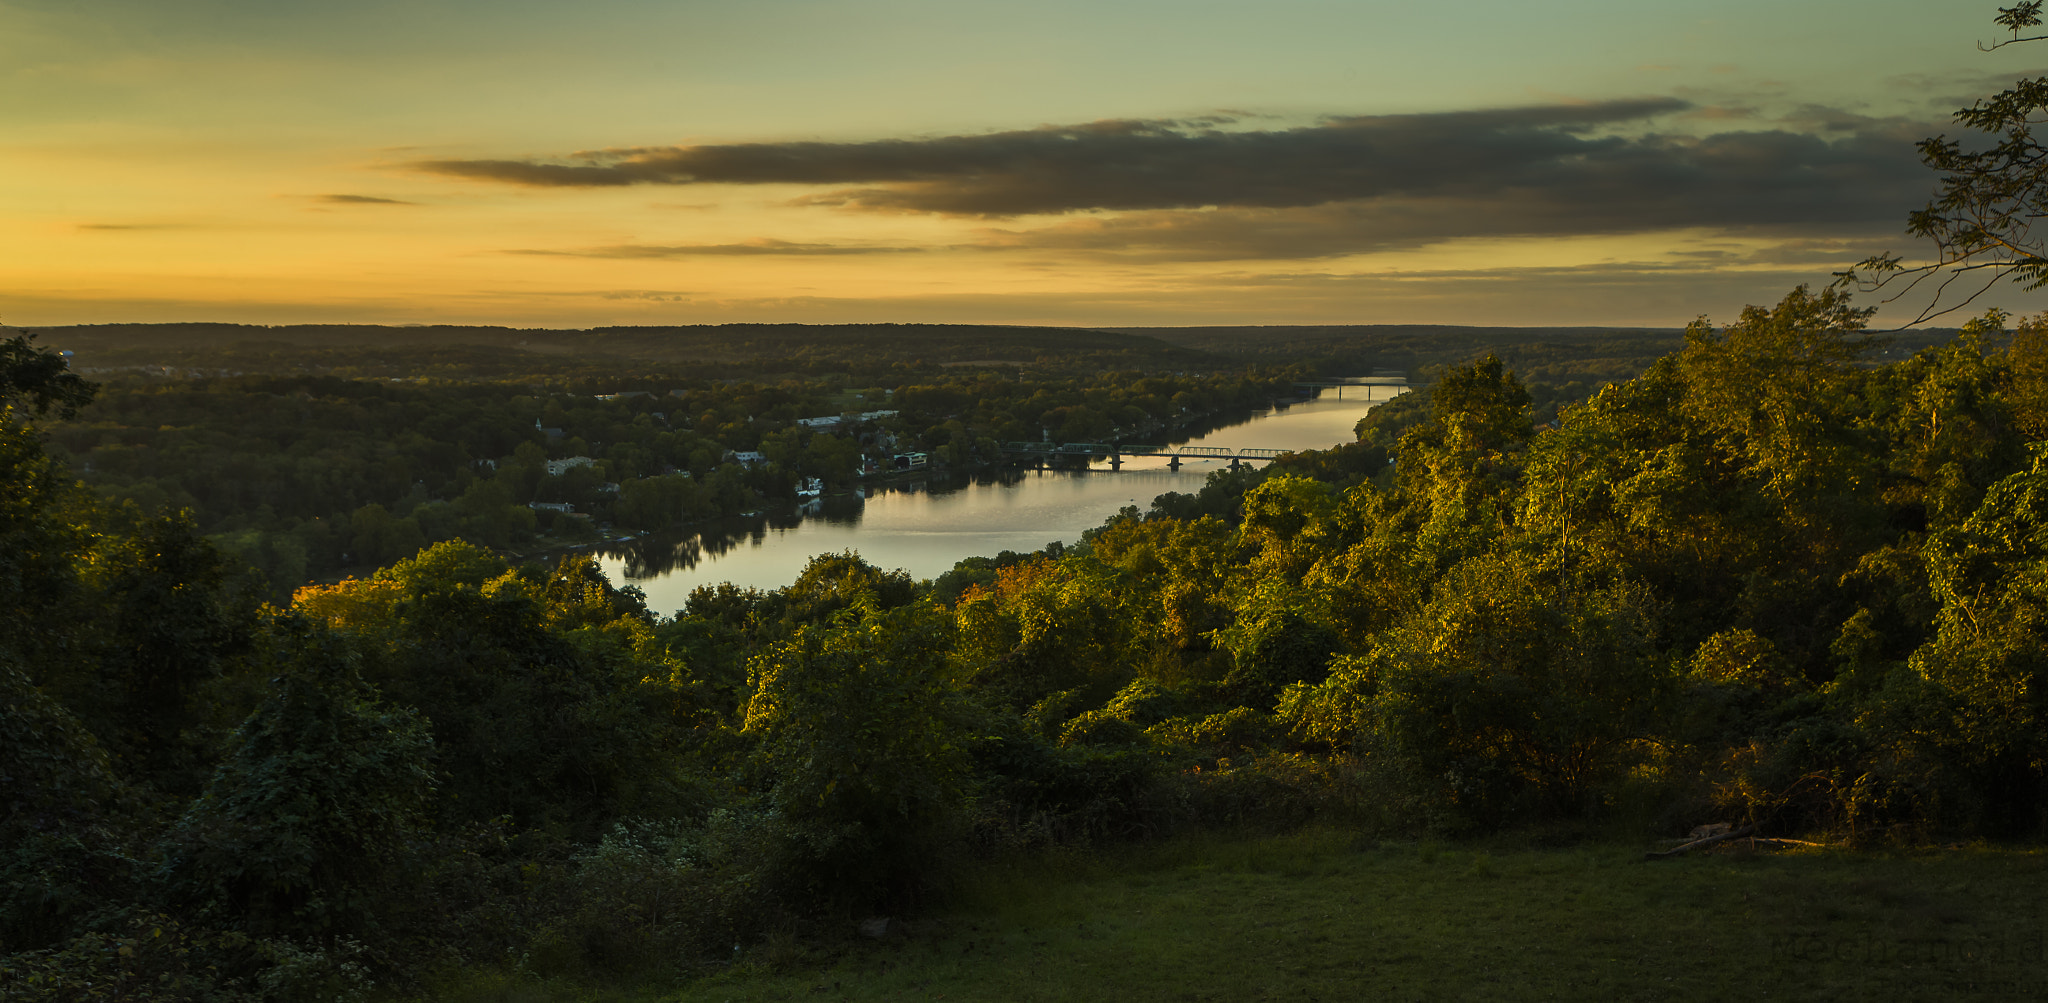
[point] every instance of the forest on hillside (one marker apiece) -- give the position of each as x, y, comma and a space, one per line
1764, 580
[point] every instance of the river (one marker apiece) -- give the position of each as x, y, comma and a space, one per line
927, 526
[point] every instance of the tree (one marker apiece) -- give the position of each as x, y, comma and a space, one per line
62, 852
1984, 706
1511, 691
1462, 468
39, 380
171, 616
538, 715
42, 514
1982, 217
860, 739
1777, 390
304, 829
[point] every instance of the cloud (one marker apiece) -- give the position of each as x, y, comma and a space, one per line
1116, 164
748, 248
361, 200
1569, 168
1946, 92
1872, 211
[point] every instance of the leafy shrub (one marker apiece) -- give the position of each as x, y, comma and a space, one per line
858, 742
1100, 727
1236, 728
304, 830
1267, 790
652, 896
1284, 649
148, 959
62, 847
1032, 793
1519, 693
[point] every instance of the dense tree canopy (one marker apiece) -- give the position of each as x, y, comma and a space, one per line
1765, 578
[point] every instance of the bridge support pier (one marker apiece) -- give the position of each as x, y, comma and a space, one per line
1173, 463
1234, 463
1116, 462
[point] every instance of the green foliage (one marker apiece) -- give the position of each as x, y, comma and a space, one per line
173, 618
149, 958
308, 476
858, 736
1461, 470
42, 529
306, 828
1239, 729
541, 703
1100, 727
833, 582
1985, 689
1281, 650
1762, 579
37, 380
1520, 690
65, 847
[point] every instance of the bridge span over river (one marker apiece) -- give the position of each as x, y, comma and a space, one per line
1115, 452
1371, 388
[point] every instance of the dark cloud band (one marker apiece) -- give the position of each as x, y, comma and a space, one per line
748, 249
1562, 160
361, 200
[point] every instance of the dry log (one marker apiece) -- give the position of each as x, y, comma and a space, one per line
1697, 843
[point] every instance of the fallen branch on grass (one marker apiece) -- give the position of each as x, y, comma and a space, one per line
1697, 843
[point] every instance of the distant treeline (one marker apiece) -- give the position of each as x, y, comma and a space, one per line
1571, 361
500, 353
304, 475
1548, 356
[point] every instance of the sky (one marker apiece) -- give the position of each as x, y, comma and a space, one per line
1111, 163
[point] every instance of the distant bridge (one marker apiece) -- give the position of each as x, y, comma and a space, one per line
1375, 387
1115, 452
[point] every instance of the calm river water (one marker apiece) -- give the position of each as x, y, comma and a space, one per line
925, 527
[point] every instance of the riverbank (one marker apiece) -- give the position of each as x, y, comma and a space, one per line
928, 523
926, 520
782, 514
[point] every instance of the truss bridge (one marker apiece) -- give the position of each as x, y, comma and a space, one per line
1115, 452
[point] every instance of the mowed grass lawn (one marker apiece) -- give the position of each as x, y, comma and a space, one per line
1324, 916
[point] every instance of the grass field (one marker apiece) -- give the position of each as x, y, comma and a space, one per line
1322, 916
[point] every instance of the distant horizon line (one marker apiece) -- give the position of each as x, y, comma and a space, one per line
832, 324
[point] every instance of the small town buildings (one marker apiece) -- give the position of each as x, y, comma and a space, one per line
833, 421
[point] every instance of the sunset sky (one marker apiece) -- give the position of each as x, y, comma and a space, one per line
1114, 162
